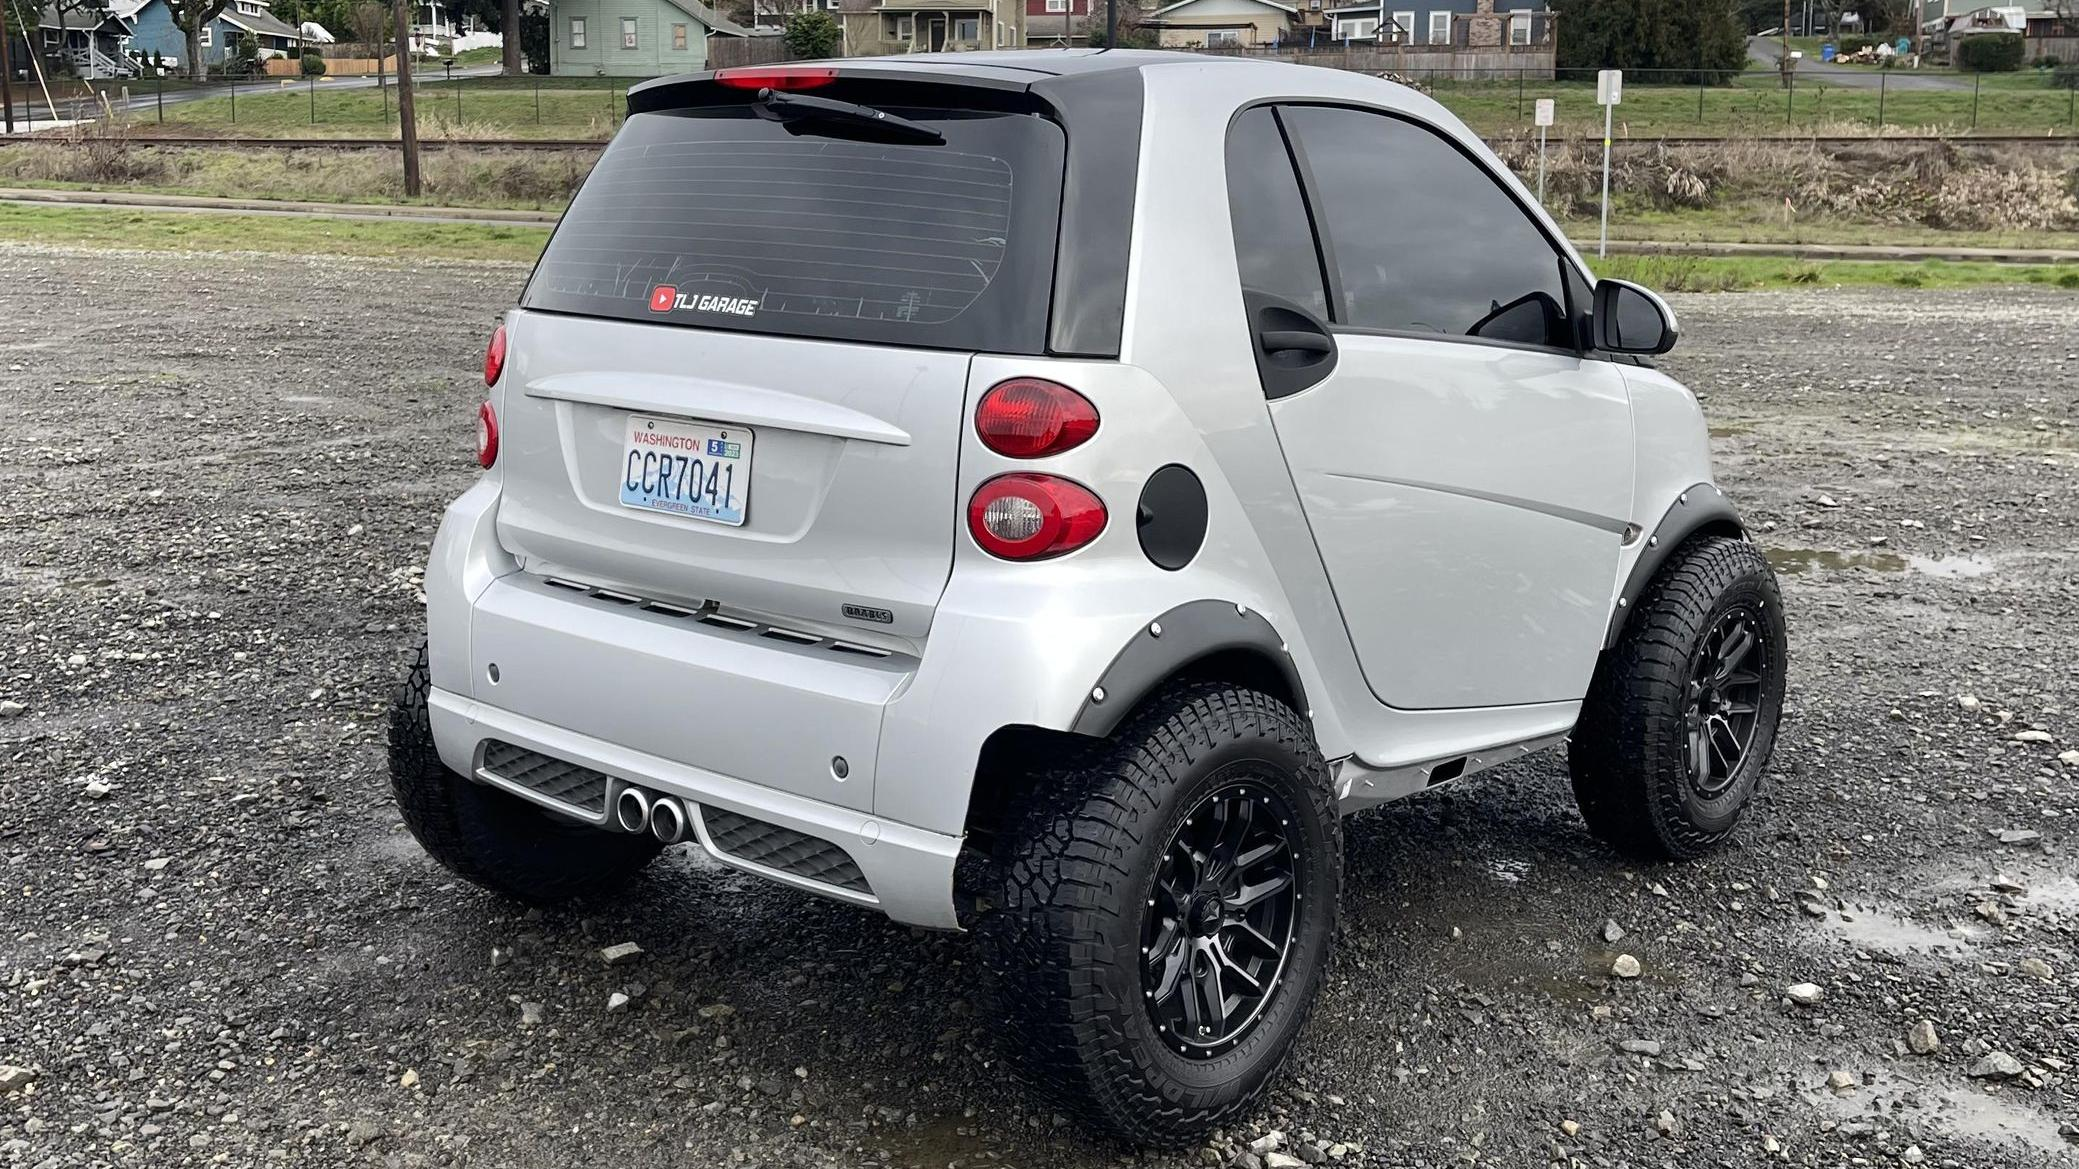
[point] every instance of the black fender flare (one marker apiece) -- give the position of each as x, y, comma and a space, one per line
1699, 507
1188, 633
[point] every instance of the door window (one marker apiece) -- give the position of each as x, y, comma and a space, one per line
1273, 240
1423, 239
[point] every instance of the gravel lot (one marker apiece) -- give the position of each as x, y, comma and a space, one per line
218, 479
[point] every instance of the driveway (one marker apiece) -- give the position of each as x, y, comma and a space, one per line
1769, 51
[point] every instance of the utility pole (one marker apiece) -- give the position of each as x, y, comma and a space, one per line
6, 64
1788, 64
407, 122
1111, 24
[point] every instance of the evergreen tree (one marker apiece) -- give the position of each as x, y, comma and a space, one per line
1684, 41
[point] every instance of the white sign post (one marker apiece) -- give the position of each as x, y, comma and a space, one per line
1609, 91
1545, 118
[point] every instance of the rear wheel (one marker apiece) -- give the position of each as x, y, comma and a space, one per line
1681, 717
497, 840
1166, 910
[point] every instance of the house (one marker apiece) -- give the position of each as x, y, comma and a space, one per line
152, 31
879, 27
1438, 22
1059, 23
1222, 24
88, 42
632, 38
771, 15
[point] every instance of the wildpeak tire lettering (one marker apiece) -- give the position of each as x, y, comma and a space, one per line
664, 299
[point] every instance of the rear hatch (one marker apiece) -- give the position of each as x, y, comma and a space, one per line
739, 372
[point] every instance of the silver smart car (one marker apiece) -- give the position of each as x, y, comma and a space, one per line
1041, 493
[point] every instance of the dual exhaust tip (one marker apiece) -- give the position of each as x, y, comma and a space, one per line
663, 817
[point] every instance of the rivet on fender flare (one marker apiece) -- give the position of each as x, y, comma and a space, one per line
1097, 694
1155, 629
1241, 610
1683, 498
1621, 602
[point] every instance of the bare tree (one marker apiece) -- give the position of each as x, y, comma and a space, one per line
191, 17
370, 21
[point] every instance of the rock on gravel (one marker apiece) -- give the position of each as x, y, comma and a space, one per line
1625, 966
14, 1079
1922, 1039
620, 952
1804, 994
1995, 1065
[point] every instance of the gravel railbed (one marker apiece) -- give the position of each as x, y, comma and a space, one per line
218, 479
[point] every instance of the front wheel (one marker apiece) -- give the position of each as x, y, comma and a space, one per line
1681, 718
1166, 912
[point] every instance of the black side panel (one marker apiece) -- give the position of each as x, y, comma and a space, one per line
1702, 506
1102, 114
1189, 633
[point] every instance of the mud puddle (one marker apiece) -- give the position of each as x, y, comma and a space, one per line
1804, 561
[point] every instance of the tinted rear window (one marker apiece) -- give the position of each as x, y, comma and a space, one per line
721, 219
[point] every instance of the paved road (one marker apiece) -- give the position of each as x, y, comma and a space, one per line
1769, 51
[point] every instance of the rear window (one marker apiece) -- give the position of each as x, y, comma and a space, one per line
717, 218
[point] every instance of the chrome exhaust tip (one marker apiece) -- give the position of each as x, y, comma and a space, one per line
632, 809
667, 821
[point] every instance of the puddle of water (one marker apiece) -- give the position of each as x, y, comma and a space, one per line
1884, 932
1800, 561
1729, 429
1952, 1110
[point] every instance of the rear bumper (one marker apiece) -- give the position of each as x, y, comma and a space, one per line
908, 871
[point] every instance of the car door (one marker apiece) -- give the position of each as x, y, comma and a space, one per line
1464, 468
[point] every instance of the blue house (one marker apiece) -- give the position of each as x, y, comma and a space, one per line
1433, 23
153, 31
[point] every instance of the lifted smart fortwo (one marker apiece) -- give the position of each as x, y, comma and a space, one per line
1108, 468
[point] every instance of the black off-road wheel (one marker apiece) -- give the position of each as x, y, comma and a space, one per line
1681, 717
497, 840
1166, 910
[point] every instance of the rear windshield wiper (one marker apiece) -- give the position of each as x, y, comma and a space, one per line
795, 107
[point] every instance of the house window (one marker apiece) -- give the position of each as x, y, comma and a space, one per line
967, 28
1519, 27
678, 38
1057, 5
50, 39
1404, 27
203, 39
1223, 38
627, 32
1357, 29
577, 32
1439, 28
899, 28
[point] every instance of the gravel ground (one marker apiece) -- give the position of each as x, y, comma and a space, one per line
218, 945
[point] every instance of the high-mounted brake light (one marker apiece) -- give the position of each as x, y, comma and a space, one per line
486, 435
1027, 418
782, 79
1033, 517
494, 357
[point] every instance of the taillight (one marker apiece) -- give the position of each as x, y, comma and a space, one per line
486, 435
761, 77
1026, 418
494, 356
1032, 517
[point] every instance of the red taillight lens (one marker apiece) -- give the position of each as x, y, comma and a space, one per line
781, 79
486, 435
1026, 418
1032, 517
494, 356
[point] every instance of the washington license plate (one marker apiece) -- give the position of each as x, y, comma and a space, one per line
688, 469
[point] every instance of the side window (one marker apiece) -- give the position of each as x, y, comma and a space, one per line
1424, 240
1273, 239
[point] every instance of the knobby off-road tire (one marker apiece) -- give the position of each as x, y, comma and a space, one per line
494, 839
1634, 755
1093, 866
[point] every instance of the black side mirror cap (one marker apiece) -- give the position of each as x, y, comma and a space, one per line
1630, 319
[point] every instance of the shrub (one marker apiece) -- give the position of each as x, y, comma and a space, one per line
812, 35
313, 65
2065, 76
1992, 52
1851, 45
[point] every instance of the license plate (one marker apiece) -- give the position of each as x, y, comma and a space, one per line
687, 469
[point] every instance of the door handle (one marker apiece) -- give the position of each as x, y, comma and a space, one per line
1290, 340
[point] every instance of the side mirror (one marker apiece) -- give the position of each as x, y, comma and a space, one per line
1629, 319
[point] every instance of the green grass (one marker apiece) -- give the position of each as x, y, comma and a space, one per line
204, 232
488, 55
1744, 274
589, 107
1761, 222
460, 110
199, 232
1758, 105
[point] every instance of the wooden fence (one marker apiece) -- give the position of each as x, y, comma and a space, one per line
731, 52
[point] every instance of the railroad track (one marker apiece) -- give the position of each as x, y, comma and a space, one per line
2067, 140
